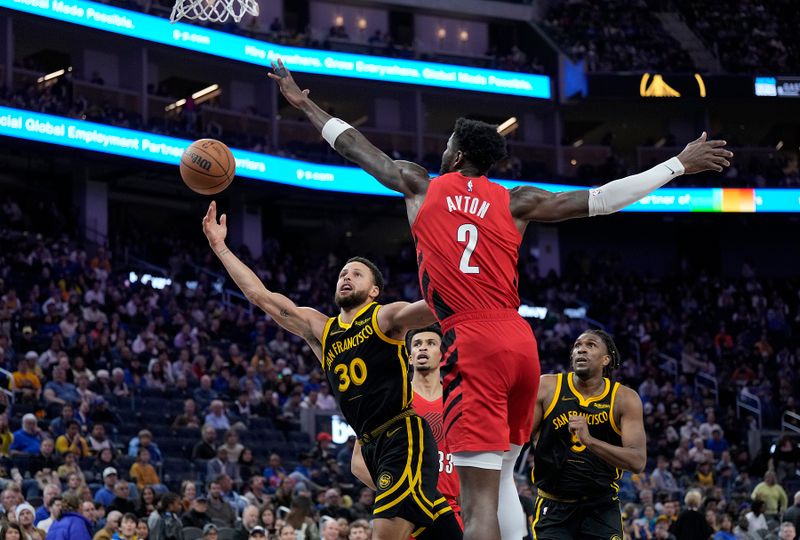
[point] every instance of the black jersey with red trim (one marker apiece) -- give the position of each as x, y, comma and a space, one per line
367, 370
563, 467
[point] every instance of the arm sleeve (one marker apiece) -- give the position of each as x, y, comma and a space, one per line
618, 194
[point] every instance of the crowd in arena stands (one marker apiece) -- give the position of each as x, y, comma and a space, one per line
132, 409
771, 46
615, 35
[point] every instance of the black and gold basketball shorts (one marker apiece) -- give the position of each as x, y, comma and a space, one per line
404, 463
592, 520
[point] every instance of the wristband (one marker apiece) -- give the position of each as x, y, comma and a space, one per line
332, 129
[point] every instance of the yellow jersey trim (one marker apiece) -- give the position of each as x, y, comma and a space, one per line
380, 333
611, 414
585, 402
406, 470
324, 338
360, 312
404, 369
559, 380
538, 516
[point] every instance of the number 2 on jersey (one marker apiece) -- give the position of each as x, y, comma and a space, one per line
468, 233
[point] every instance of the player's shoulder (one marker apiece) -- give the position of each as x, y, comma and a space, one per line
627, 398
547, 384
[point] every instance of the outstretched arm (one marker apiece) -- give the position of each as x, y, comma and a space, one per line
397, 318
408, 178
307, 323
533, 204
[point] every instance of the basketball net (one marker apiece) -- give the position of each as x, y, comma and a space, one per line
213, 10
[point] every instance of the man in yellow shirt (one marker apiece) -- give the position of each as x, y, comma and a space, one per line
143, 473
773, 495
24, 382
72, 441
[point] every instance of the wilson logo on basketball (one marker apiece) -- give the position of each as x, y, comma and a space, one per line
200, 161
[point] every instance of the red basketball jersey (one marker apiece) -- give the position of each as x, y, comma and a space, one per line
467, 246
448, 477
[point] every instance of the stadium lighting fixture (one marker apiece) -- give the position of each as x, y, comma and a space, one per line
508, 126
54, 75
362, 23
338, 21
201, 96
441, 32
779, 145
463, 36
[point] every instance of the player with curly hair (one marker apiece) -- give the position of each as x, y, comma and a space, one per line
588, 430
468, 230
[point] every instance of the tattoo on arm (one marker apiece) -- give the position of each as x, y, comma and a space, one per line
284, 312
224, 252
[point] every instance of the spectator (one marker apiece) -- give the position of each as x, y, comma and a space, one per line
247, 524
360, 530
248, 466
206, 448
143, 473
49, 493
197, 516
330, 529
333, 507
756, 520
216, 416
105, 495
98, 440
256, 494
691, 524
25, 515
188, 494
111, 526
210, 532
233, 446
28, 438
167, 526
25, 384
230, 495
221, 465
218, 507
204, 395
773, 495
54, 511
792, 514
59, 391
366, 502
142, 530
145, 440
71, 525
300, 517
121, 501
11, 531
147, 502
188, 418
274, 473
45, 462
72, 442
127, 528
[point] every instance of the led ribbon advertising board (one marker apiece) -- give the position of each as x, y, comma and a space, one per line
152, 147
262, 53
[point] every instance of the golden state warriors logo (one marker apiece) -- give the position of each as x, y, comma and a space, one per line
616, 537
385, 480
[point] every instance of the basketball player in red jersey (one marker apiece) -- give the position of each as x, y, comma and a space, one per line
468, 230
425, 354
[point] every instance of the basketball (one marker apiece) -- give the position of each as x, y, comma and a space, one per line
207, 166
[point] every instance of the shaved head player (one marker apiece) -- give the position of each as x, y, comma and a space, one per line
468, 230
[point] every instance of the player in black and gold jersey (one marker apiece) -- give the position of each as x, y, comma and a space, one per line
587, 430
363, 356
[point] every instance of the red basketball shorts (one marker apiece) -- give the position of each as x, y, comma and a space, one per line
490, 369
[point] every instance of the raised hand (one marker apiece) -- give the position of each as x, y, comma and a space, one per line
703, 155
286, 83
215, 232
